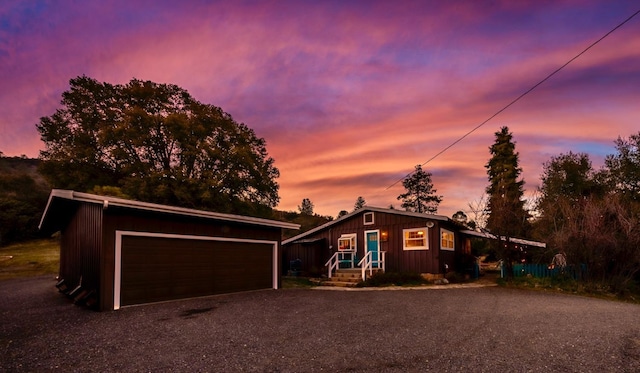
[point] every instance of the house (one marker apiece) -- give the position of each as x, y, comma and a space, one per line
116, 252
388, 239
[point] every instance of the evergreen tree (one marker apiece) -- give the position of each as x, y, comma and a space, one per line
306, 208
420, 195
360, 202
507, 215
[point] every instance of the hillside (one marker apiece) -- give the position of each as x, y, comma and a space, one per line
21, 166
306, 222
23, 197
24, 193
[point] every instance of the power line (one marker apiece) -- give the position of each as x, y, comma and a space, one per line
518, 98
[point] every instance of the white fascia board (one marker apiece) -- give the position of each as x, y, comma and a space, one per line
113, 201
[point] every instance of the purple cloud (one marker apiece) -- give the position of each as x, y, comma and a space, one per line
348, 95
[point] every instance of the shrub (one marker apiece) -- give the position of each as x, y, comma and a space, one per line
393, 278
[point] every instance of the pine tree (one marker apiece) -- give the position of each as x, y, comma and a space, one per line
507, 215
360, 202
420, 196
306, 208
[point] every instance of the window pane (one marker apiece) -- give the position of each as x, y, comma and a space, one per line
414, 243
447, 240
415, 239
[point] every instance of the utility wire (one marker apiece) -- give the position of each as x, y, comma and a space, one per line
518, 98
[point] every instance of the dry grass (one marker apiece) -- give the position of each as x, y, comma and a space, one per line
31, 258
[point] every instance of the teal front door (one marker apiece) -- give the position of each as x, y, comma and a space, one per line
373, 246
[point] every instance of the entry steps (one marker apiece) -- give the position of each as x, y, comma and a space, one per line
347, 277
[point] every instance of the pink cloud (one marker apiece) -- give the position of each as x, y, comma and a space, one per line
349, 96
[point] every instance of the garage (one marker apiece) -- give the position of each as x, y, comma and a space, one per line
116, 252
156, 268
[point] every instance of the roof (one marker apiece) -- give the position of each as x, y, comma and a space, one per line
301, 238
361, 211
512, 239
60, 201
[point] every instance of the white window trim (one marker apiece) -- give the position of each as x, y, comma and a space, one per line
117, 278
426, 239
351, 236
364, 218
442, 230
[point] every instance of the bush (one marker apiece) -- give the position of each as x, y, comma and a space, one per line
630, 292
393, 279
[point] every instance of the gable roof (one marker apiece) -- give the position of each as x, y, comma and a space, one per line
61, 200
411, 214
362, 211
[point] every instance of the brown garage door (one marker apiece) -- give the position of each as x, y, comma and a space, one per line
156, 269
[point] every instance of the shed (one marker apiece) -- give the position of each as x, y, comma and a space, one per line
122, 252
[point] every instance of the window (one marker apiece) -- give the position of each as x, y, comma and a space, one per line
446, 240
415, 239
368, 218
347, 242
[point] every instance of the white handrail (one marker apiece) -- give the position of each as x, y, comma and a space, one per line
367, 263
337, 257
333, 262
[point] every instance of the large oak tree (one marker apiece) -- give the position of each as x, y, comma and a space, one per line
158, 144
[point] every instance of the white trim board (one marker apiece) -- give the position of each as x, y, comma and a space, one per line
107, 202
117, 276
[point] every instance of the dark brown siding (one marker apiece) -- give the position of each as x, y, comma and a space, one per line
80, 247
397, 259
420, 261
311, 255
141, 221
157, 269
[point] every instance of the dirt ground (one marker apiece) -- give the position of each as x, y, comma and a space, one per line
455, 329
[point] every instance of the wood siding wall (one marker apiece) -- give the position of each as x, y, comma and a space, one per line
311, 254
140, 221
80, 248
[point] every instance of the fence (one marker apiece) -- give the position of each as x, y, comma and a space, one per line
577, 272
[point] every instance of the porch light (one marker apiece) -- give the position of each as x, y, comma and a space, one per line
384, 236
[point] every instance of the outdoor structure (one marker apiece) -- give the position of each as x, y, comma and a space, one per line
116, 252
388, 239
395, 240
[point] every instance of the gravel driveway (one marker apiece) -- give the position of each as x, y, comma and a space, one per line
306, 330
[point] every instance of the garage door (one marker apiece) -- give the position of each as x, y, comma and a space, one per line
154, 269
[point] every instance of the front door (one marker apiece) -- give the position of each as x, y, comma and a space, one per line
373, 245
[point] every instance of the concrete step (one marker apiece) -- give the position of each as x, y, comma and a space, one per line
339, 283
347, 277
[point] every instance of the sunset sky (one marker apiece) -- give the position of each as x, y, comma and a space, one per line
349, 95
